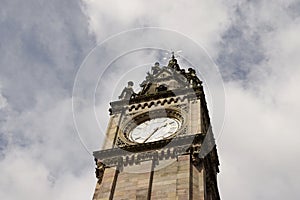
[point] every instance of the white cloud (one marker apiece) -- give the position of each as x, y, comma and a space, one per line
259, 144
41, 156
201, 20
256, 45
26, 177
43, 45
44, 155
3, 100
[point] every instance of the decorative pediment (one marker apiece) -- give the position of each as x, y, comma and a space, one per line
163, 74
163, 79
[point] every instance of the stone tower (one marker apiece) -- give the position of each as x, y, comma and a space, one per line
159, 143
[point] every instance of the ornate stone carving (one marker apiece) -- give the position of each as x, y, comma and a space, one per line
167, 91
127, 92
192, 78
100, 168
165, 149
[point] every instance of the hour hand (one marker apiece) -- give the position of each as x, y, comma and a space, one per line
152, 134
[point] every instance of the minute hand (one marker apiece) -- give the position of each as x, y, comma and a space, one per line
154, 132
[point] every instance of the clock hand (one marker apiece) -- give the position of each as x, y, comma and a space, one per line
154, 132
151, 134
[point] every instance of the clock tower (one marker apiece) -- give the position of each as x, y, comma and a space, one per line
159, 142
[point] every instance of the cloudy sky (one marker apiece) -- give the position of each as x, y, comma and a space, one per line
255, 45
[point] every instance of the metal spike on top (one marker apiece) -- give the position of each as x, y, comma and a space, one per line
172, 57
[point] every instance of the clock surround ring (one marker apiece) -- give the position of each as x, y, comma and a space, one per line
133, 122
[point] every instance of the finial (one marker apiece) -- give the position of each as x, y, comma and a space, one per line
173, 55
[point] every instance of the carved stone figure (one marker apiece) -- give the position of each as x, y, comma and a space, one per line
127, 91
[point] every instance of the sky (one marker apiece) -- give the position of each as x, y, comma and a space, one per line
44, 48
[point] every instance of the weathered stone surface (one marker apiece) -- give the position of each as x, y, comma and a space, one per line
172, 168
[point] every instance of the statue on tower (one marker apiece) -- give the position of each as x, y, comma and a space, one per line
155, 69
127, 92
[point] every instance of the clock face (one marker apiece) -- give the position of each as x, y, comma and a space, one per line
154, 130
